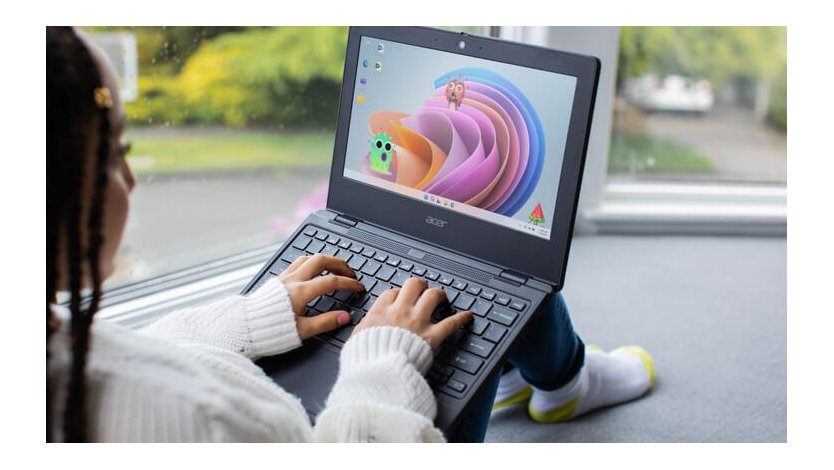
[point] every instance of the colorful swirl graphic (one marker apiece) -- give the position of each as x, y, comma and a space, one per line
482, 145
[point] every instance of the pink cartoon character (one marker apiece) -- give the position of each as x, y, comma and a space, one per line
454, 93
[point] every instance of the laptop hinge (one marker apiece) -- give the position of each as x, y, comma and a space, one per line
513, 276
345, 220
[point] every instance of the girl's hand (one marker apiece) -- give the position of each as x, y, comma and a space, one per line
410, 307
303, 283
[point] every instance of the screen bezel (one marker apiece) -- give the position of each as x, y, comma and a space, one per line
492, 243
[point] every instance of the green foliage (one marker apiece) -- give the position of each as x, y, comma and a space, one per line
284, 76
640, 153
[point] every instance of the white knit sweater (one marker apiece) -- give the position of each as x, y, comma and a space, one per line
190, 377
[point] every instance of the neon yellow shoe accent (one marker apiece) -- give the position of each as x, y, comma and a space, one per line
594, 347
520, 397
644, 356
556, 415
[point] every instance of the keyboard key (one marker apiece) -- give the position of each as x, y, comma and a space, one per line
356, 263
476, 345
343, 295
464, 302
436, 378
460, 285
432, 276
368, 253
370, 268
406, 266
517, 305
333, 239
368, 282
326, 304
446, 280
442, 369
478, 326
379, 288
291, 254
344, 255
344, 244
474, 290
504, 317
356, 316
343, 333
356, 248
381, 257
278, 267
502, 300
418, 271
329, 250
451, 295
315, 247
385, 273
461, 360
456, 385
488, 295
312, 303
301, 242
321, 235
481, 308
309, 231
399, 279
369, 302
494, 333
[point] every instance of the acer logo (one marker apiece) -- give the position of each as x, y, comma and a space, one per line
436, 222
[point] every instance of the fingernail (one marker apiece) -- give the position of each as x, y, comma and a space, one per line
343, 318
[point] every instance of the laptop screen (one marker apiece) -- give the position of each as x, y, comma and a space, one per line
482, 138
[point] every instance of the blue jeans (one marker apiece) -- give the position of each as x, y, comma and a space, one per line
549, 356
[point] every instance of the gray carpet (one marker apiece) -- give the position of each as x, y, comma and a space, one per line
711, 311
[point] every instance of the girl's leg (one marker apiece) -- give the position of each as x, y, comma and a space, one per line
550, 355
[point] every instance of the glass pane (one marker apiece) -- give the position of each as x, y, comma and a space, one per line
701, 104
232, 131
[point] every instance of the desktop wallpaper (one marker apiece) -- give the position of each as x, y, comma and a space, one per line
484, 134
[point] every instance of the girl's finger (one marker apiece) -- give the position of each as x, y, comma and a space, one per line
326, 284
319, 263
322, 323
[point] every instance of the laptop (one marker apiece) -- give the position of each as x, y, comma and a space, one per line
457, 159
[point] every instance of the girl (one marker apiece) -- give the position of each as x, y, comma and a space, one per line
190, 375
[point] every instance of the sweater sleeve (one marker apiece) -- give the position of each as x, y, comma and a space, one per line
380, 394
257, 325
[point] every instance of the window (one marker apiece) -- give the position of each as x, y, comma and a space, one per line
705, 104
232, 133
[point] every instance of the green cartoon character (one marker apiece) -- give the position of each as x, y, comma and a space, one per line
382, 151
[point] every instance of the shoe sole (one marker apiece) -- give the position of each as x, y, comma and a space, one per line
520, 397
565, 412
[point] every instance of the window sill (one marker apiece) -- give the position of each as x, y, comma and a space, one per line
138, 304
638, 208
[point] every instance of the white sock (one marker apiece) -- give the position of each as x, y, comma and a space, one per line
605, 379
512, 390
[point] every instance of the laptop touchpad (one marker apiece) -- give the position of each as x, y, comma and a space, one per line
308, 372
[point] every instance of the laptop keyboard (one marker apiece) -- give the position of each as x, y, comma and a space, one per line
463, 354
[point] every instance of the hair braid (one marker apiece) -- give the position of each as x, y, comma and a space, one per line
81, 76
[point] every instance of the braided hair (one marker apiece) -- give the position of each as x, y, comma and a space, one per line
77, 150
